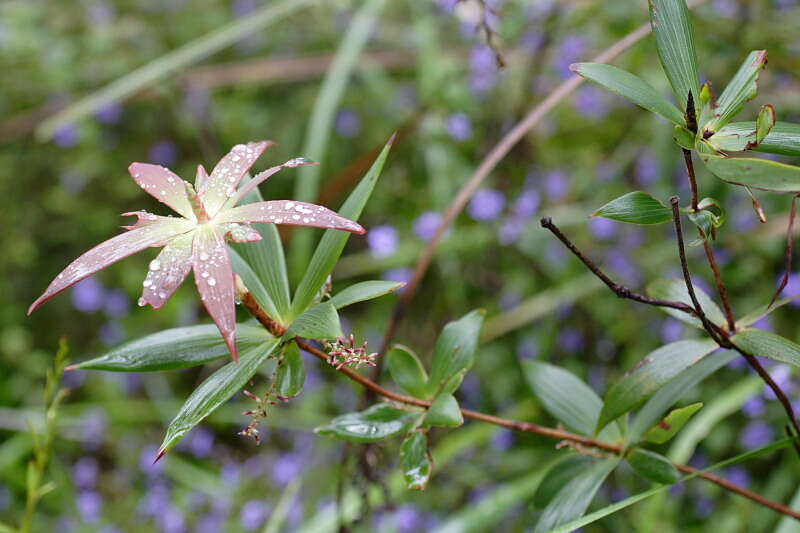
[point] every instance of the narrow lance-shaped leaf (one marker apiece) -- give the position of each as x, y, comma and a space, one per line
760, 312
455, 352
629, 86
675, 290
766, 344
742, 88
672, 27
755, 173
379, 422
172, 349
332, 243
163, 185
574, 498
366, 290
215, 391
415, 460
319, 322
782, 139
671, 424
291, 374
407, 371
571, 401
636, 207
652, 466
650, 374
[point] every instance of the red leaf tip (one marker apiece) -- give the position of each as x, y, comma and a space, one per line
161, 453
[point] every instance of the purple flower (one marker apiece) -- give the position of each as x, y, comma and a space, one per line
408, 519
739, 475
782, 375
726, 8
382, 241
502, 440
754, 407
100, 13
792, 288
173, 521
672, 330
347, 123
90, 506
459, 127
528, 348
619, 262
111, 333
527, 203
486, 204
592, 102
647, 169
532, 41
483, 64
109, 114
84, 473
146, 464
164, 152
287, 467
93, 428
448, 6
510, 231
201, 442
556, 185
765, 323
117, 304
242, 8
210, 523
231, 473
570, 51
88, 295
66, 136
426, 225
253, 514
606, 171
704, 506
756, 434
570, 340
603, 228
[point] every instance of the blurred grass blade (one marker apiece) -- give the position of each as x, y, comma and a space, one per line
650, 374
782, 139
671, 424
769, 345
631, 87
170, 63
627, 502
636, 207
172, 349
672, 27
319, 322
415, 460
573, 500
742, 88
379, 422
454, 353
755, 173
361, 292
323, 115
674, 289
278, 516
216, 390
332, 243
567, 398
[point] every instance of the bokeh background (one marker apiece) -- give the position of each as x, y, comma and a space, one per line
427, 72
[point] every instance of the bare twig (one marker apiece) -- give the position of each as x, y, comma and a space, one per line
788, 261
721, 289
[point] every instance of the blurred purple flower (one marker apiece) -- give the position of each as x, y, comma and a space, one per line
231, 473
347, 124
88, 295
510, 230
201, 441
486, 204
570, 340
726, 8
672, 330
483, 64
111, 333
502, 440
556, 185
756, 434
459, 127
606, 171
591, 101
408, 519
532, 41
704, 506
100, 13
597, 377
253, 515
527, 203
647, 169
603, 228
173, 521
84, 473
426, 225
210, 523
93, 428
739, 475
528, 348
146, 458
287, 467
569, 51
66, 136
197, 102
754, 407
242, 8
792, 288
782, 375
109, 114
448, 6
117, 304
765, 323
164, 152
744, 220
509, 298
633, 239
382, 241
90, 506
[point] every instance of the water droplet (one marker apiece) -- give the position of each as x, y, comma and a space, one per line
141, 302
212, 281
146, 283
155, 265
203, 256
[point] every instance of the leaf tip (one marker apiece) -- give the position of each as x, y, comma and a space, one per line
392, 139
161, 453
70, 368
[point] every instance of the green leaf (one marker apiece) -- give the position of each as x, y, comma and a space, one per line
650, 374
704, 220
760, 312
683, 137
669, 426
769, 345
782, 139
742, 88
675, 389
172, 349
366, 290
379, 422
444, 411
652, 466
319, 322
574, 498
674, 290
765, 122
416, 461
561, 474
672, 27
215, 391
407, 371
291, 373
755, 173
636, 208
568, 399
253, 283
629, 86
455, 352
332, 243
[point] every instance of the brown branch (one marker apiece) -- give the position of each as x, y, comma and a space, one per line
687, 157
525, 427
788, 260
721, 289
